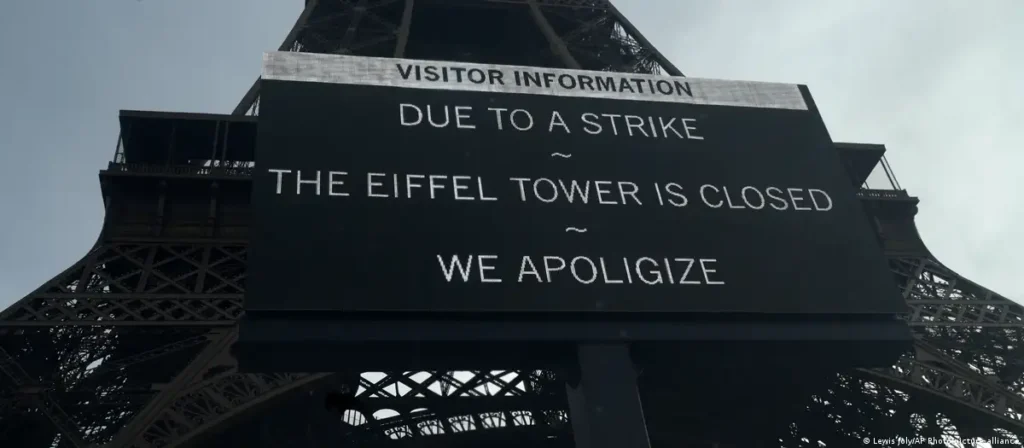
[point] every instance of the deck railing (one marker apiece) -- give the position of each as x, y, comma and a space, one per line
181, 170
882, 194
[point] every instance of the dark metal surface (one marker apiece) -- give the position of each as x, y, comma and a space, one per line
131, 345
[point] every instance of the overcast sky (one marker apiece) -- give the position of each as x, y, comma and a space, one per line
938, 82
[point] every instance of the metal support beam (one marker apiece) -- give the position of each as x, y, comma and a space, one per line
148, 355
557, 44
403, 29
605, 409
359, 11
662, 60
61, 421
219, 343
250, 95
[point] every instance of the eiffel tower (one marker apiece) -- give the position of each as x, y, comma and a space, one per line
131, 345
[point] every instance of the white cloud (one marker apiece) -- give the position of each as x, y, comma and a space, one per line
936, 81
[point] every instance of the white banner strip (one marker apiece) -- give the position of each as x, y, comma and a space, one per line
439, 75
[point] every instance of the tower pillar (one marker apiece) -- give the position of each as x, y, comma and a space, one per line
605, 408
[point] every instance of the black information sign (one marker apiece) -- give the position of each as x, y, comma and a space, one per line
380, 186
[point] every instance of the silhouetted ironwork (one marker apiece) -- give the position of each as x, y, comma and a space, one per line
130, 346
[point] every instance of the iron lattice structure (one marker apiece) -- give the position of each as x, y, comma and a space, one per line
131, 346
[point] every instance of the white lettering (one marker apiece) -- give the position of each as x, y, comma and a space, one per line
586, 270
370, 184
640, 273
689, 265
280, 174
401, 111
592, 126
548, 268
459, 117
331, 182
536, 191
705, 198
604, 274
576, 275
706, 271
449, 270
756, 205
778, 203
483, 265
409, 185
556, 120
826, 197
430, 117
601, 192
299, 182
687, 128
525, 117
456, 187
497, 115
532, 271
522, 189
681, 200
488, 267
631, 192
795, 200
728, 199
433, 185
480, 189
